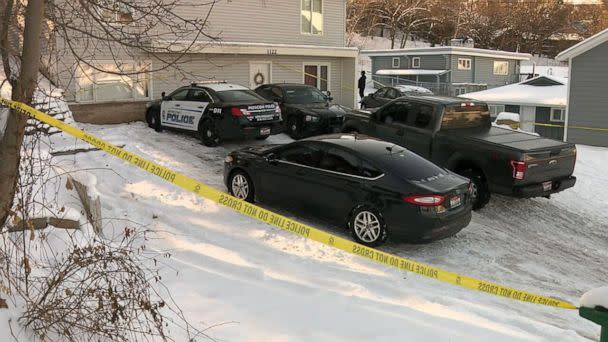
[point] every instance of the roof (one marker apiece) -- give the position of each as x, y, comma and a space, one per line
450, 50
407, 72
222, 86
532, 92
544, 70
583, 46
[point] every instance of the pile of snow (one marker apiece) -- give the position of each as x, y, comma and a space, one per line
595, 298
507, 116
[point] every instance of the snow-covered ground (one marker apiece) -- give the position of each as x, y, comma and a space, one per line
267, 284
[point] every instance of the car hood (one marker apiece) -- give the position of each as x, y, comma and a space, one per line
323, 110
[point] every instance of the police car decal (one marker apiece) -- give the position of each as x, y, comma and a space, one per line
182, 114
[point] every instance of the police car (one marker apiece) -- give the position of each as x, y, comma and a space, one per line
216, 111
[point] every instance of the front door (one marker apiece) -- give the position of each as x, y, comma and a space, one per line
527, 119
259, 73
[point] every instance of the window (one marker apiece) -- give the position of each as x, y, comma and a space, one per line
179, 95
396, 62
199, 95
115, 11
302, 154
312, 16
416, 62
122, 81
421, 114
496, 109
460, 91
392, 93
381, 92
395, 113
237, 95
464, 64
501, 68
558, 115
466, 116
341, 161
317, 75
304, 95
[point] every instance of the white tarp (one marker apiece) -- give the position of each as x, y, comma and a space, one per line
524, 94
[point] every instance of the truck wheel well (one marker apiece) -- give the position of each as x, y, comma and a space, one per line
467, 165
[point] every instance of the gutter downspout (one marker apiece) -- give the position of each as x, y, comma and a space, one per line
567, 118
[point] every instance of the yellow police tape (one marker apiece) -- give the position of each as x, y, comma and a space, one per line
290, 225
569, 126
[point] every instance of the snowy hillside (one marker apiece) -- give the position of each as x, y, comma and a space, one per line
266, 284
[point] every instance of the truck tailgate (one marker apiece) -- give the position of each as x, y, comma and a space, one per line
549, 164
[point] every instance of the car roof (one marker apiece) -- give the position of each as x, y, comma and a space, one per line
367, 146
281, 85
220, 86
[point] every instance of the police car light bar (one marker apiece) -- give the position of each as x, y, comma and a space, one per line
209, 82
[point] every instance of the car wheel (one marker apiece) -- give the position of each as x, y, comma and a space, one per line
480, 193
208, 133
153, 120
240, 186
367, 227
294, 128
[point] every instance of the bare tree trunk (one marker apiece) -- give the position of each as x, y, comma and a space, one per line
10, 145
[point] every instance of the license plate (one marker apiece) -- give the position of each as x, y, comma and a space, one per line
265, 131
547, 185
455, 202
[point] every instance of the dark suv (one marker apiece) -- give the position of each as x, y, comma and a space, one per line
306, 110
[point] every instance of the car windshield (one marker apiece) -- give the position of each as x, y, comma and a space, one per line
304, 95
466, 115
240, 95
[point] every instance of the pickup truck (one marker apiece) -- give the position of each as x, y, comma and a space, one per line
457, 134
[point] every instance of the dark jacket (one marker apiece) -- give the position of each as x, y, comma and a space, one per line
362, 82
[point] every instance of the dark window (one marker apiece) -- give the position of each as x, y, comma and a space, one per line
466, 115
277, 92
301, 154
238, 95
381, 92
412, 166
199, 96
179, 95
395, 112
338, 160
420, 115
368, 170
265, 92
304, 95
392, 93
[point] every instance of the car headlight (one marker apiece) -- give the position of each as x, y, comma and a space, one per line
228, 159
311, 118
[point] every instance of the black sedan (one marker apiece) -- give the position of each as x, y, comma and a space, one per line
377, 189
385, 95
306, 110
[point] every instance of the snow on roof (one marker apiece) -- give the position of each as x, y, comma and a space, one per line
584, 46
544, 70
595, 297
222, 86
450, 50
407, 72
525, 94
413, 89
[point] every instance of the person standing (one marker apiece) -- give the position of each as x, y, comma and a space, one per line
361, 85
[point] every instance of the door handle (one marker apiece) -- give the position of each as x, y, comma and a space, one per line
177, 105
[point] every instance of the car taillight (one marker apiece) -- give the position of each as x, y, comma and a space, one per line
236, 111
425, 200
519, 169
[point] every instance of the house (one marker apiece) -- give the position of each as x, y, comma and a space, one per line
587, 108
446, 70
296, 41
540, 102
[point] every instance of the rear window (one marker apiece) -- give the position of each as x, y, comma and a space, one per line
412, 166
466, 116
238, 96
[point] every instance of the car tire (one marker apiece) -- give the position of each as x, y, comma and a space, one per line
367, 227
208, 133
153, 119
293, 127
480, 191
241, 186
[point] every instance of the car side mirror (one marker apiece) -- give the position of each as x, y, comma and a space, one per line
271, 159
163, 96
